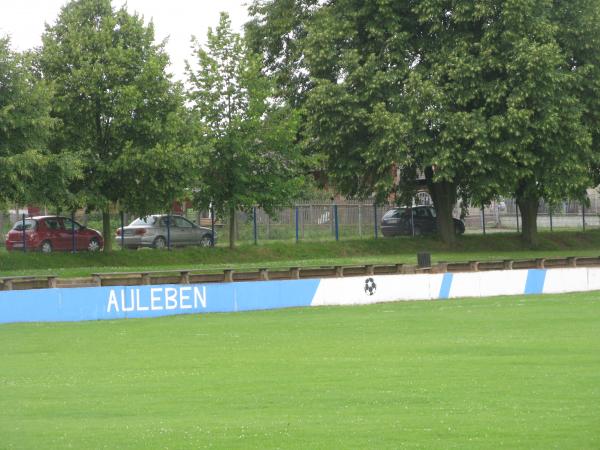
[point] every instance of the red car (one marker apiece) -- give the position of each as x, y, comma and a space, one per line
52, 233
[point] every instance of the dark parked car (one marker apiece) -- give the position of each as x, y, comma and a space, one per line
152, 231
397, 221
52, 233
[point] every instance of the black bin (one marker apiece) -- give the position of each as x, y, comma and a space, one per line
424, 259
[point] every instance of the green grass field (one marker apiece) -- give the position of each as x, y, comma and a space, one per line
511, 373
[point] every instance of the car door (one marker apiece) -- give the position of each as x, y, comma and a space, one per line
391, 222
80, 238
433, 219
56, 234
187, 231
170, 230
420, 218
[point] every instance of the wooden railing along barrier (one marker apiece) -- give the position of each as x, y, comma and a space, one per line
191, 276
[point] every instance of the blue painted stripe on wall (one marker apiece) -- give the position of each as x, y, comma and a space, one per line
535, 281
123, 302
446, 285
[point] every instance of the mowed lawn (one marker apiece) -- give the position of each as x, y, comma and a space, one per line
512, 373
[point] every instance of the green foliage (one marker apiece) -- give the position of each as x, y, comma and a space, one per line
28, 173
502, 103
276, 31
120, 114
486, 98
247, 139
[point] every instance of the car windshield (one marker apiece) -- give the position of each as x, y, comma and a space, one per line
393, 213
148, 220
29, 225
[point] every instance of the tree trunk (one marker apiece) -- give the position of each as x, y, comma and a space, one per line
443, 194
232, 227
529, 209
106, 231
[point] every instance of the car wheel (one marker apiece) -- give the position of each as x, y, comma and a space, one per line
206, 241
160, 243
46, 247
93, 245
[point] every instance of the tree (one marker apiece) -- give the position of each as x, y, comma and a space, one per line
248, 152
117, 106
277, 31
28, 172
485, 98
506, 94
359, 56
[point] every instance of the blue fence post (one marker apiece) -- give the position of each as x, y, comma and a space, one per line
169, 231
122, 230
24, 235
375, 218
297, 216
254, 226
73, 244
212, 224
483, 219
337, 229
517, 211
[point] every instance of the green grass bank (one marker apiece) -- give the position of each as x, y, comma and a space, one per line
288, 253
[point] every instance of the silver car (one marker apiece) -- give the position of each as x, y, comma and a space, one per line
157, 230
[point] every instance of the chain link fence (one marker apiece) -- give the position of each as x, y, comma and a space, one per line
306, 222
316, 221
504, 216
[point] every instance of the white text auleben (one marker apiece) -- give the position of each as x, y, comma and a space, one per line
160, 299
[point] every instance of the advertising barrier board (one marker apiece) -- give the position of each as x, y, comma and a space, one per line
128, 302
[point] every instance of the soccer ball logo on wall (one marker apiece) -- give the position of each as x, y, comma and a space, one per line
370, 286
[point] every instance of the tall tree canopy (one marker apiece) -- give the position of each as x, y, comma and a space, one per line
248, 151
506, 93
486, 98
28, 172
277, 30
119, 110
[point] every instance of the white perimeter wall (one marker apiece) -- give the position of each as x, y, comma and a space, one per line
351, 290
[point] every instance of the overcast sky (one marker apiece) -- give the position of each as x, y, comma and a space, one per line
23, 21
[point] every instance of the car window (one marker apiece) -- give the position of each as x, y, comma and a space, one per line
53, 224
393, 213
182, 223
69, 225
420, 212
148, 220
29, 225
432, 212
164, 222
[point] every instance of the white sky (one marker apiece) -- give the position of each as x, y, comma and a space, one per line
23, 21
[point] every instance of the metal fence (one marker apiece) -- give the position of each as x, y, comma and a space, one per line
362, 220
504, 216
345, 220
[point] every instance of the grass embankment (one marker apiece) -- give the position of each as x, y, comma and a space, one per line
288, 254
513, 373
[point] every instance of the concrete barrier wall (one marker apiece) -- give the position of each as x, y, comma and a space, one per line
105, 303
